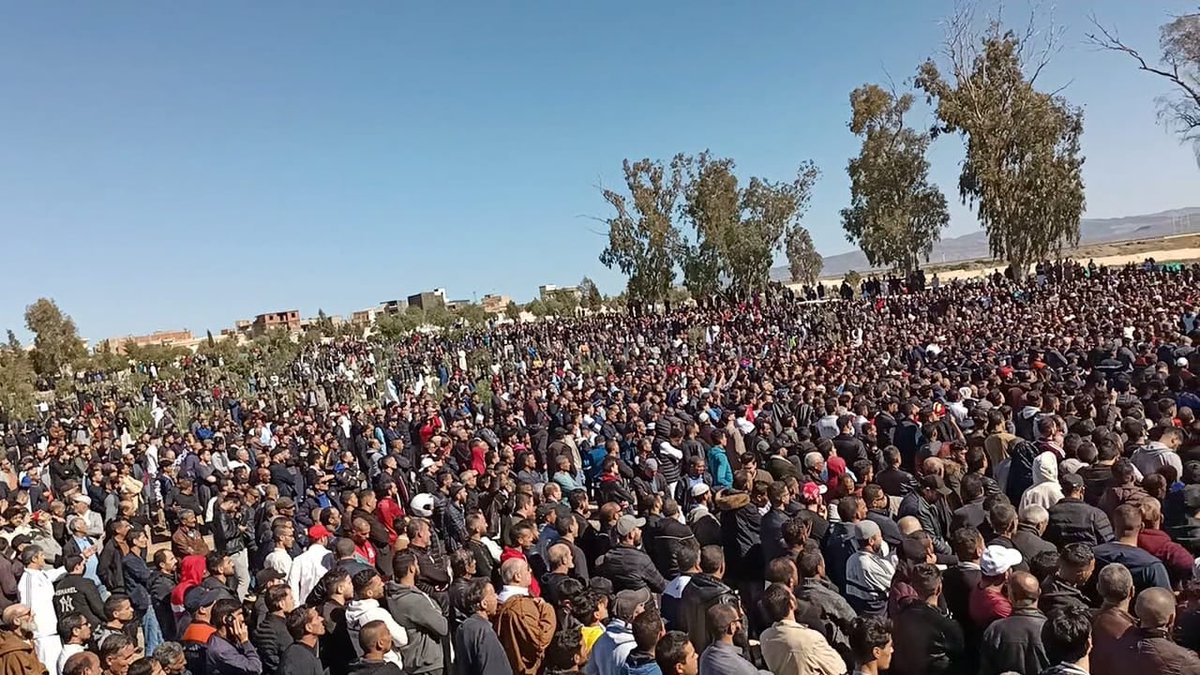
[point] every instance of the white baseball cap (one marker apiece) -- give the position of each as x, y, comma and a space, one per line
999, 559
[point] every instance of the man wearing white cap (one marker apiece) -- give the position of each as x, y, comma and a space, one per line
988, 601
81, 507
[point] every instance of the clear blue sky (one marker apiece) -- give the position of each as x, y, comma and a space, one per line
167, 165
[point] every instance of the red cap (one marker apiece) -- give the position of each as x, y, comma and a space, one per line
318, 531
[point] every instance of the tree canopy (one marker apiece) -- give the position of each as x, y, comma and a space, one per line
56, 342
1023, 167
804, 263
895, 214
642, 238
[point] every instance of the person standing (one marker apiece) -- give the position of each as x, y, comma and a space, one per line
75, 593
375, 642
271, 635
17, 654
229, 650
789, 648
36, 590
723, 656
306, 627
928, 642
477, 649
419, 615
1014, 643
137, 583
308, 567
524, 624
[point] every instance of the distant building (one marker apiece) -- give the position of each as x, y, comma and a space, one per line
428, 299
173, 338
393, 306
366, 317
548, 291
288, 320
494, 304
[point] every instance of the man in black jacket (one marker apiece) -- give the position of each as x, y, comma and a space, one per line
1063, 590
927, 641
75, 593
895, 481
1074, 520
1014, 643
271, 636
432, 577
162, 582
705, 590
771, 527
231, 536
628, 566
109, 567
928, 506
668, 540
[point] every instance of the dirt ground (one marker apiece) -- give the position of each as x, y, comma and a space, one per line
1176, 248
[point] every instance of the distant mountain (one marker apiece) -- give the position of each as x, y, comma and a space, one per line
1091, 231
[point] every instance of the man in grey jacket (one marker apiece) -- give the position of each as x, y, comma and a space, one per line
418, 614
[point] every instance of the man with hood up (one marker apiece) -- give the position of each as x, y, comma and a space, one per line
1046, 490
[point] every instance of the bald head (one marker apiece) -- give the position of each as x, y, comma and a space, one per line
1155, 607
908, 525
1024, 589
12, 614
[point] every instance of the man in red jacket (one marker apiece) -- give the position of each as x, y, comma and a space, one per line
522, 536
1157, 543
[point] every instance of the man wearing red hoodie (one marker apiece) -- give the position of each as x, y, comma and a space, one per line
1157, 543
522, 536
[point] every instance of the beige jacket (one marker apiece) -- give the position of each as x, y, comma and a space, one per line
792, 649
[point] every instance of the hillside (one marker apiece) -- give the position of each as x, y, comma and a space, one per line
1091, 231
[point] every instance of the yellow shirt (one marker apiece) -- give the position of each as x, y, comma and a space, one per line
590, 635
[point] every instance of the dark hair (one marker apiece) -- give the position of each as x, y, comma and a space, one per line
687, 554
1002, 518
564, 649
1043, 564
113, 643
965, 542
320, 591
213, 561
405, 560
343, 547
112, 603
297, 621
925, 580
795, 531
808, 563
362, 579
780, 569
1066, 636
712, 557
274, 596
473, 594
671, 650
69, 623
867, 634
143, 666
777, 602
1076, 556
646, 628
971, 487
72, 561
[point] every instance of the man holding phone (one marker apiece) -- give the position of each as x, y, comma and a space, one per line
229, 649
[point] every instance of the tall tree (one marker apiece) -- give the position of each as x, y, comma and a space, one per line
804, 263
643, 240
1179, 42
1022, 170
738, 230
56, 340
16, 379
895, 214
589, 295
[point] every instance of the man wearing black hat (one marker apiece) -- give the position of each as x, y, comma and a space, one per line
928, 506
1074, 520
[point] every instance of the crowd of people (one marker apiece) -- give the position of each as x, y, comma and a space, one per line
987, 476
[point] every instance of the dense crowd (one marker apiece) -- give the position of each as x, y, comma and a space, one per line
987, 476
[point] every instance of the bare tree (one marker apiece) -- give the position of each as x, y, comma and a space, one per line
1179, 42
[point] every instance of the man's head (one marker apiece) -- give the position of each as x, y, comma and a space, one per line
1155, 608
218, 564
480, 596
1067, 636
647, 629
1114, 583
305, 622
515, 572
778, 603
629, 530
375, 639
83, 663
117, 653
170, 656
119, 609
368, 585
1076, 563
871, 642
405, 567
559, 558
75, 628
675, 654
1126, 521
1024, 590
19, 619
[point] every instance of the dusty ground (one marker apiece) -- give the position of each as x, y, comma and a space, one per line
1176, 248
